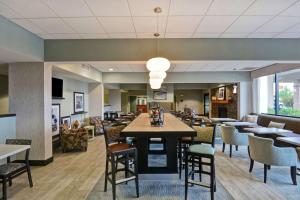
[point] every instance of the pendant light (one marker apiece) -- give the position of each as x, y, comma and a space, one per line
157, 65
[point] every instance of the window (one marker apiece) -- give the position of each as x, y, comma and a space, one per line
279, 94
289, 93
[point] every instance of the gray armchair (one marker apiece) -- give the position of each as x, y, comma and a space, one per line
263, 151
230, 135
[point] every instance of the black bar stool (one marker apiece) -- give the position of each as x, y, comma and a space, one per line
117, 152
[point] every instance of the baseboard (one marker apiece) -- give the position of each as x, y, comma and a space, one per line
38, 162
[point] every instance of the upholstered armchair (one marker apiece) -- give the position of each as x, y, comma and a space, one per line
230, 135
72, 139
263, 151
205, 134
96, 122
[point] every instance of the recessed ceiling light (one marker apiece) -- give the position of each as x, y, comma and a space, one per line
111, 69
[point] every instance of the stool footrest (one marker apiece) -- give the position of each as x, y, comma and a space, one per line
199, 183
125, 180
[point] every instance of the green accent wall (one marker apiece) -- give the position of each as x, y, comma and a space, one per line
173, 49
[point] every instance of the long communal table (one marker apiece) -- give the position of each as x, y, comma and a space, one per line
171, 131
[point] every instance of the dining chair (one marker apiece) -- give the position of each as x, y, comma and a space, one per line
11, 170
195, 153
119, 152
230, 135
262, 150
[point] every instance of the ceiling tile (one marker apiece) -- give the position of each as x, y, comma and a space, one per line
189, 7
229, 7
178, 35
109, 8
30, 8
292, 11
64, 36
52, 25
149, 24
215, 23
117, 24
248, 23
85, 24
288, 35
268, 7
206, 35
145, 35
122, 35
178, 24
25, 23
262, 35
145, 7
279, 24
7, 12
69, 8
295, 28
234, 35
93, 35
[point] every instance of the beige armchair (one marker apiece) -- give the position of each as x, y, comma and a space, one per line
230, 135
263, 151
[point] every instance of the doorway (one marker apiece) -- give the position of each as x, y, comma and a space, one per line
132, 100
206, 104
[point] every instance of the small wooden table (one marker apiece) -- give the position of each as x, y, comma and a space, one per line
241, 124
265, 131
7, 150
171, 131
221, 120
294, 141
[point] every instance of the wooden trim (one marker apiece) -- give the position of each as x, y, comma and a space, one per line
7, 115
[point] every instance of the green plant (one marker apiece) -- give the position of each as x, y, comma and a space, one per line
286, 97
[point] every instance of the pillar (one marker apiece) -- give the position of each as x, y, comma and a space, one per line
96, 99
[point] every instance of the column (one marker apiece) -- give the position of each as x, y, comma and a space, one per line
30, 98
96, 99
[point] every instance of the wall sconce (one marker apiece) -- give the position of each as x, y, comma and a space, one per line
234, 88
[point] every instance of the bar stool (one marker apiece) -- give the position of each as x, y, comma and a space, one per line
117, 152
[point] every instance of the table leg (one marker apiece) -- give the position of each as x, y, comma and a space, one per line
142, 148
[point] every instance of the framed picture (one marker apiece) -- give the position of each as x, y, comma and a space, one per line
55, 118
66, 121
160, 94
78, 102
221, 93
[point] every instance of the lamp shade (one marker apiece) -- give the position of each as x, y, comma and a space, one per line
158, 64
156, 81
155, 86
157, 75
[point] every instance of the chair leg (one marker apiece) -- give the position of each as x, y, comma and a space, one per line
236, 147
294, 175
230, 154
10, 181
251, 165
265, 173
106, 174
193, 168
223, 149
136, 174
29, 175
113, 174
212, 178
180, 158
200, 169
126, 166
186, 176
4, 188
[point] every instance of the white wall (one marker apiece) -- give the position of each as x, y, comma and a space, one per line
189, 98
244, 99
69, 87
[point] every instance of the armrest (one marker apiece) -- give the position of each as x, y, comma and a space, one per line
284, 156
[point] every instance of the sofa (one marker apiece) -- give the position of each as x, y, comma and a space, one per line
290, 122
96, 122
74, 139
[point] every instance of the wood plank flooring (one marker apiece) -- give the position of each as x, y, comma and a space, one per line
73, 176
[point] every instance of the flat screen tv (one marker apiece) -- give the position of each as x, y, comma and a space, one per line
57, 88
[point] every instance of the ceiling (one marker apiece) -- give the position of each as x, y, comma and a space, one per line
86, 19
177, 66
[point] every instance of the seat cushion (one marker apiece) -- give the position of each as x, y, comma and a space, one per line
276, 125
119, 147
202, 149
10, 167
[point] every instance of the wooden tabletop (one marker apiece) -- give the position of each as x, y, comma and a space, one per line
250, 124
223, 120
7, 150
269, 130
171, 124
291, 140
